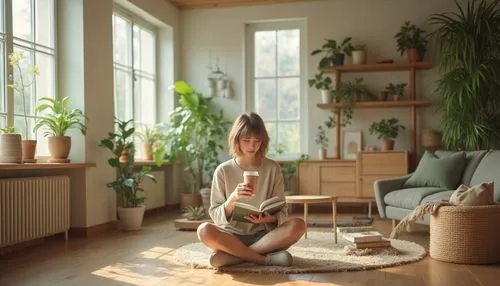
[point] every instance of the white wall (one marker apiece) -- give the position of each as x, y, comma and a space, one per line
86, 73
372, 22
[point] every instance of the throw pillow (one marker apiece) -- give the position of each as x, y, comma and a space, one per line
478, 195
432, 171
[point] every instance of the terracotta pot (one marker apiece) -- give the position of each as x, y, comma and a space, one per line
29, 150
123, 157
11, 150
148, 151
414, 56
386, 144
131, 218
190, 200
59, 147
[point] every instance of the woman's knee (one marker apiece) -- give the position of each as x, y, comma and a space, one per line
298, 225
206, 231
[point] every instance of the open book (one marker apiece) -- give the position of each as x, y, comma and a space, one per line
272, 206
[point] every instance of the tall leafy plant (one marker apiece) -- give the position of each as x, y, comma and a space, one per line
60, 118
469, 46
196, 133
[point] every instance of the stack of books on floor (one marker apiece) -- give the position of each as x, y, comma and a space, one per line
365, 237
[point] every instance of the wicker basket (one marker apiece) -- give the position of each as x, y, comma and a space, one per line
469, 235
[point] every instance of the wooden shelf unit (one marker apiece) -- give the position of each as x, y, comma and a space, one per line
412, 103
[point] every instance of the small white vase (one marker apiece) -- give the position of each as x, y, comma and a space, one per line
321, 153
326, 96
358, 57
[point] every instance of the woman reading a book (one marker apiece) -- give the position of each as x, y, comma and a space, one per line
262, 238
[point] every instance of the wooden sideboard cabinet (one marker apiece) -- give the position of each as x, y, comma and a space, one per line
351, 180
375, 165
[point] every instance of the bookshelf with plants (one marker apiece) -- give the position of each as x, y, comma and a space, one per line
346, 98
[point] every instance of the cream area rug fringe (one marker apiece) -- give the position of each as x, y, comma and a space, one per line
418, 213
317, 253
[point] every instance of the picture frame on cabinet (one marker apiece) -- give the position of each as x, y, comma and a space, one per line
352, 143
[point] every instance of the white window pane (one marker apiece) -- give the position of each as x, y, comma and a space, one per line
288, 135
45, 22
3, 63
265, 53
122, 38
288, 52
288, 98
136, 46
23, 79
123, 95
272, 132
2, 18
147, 52
21, 17
145, 101
42, 144
45, 81
265, 98
3, 121
21, 127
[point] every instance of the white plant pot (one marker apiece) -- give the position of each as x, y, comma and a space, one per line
358, 57
326, 96
131, 218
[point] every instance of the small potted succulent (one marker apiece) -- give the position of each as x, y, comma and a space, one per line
387, 130
411, 40
324, 85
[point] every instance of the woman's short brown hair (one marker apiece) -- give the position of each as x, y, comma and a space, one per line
246, 124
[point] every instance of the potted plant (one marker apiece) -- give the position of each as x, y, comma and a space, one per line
153, 141
334, 52
56, 123
354, 89
387, 131
396, 90
322, 142
358, 54
10, 146
411, 39
324, 84
128, 179
195, 133
22, 78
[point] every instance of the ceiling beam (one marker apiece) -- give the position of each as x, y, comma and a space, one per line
205, 4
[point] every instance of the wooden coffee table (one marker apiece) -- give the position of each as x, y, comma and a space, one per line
315, 199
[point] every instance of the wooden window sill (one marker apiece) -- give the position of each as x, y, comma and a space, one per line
45, 166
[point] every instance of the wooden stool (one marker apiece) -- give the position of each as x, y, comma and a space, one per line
314, 199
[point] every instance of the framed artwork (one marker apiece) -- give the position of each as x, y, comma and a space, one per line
352, 143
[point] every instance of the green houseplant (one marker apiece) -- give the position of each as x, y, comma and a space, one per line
322, 141
195, 134
334, 52
154, 140
468, 42
412, 40
128, 177
57, 122
396, 90
387, 130
324, 84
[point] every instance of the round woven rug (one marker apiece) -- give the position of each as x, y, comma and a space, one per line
317, 253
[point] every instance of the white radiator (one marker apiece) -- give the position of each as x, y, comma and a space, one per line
33, 208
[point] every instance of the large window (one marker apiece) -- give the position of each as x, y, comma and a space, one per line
134, 69
26, 26
275, 81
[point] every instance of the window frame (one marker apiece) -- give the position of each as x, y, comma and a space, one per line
135, 19
10, 42
249, 101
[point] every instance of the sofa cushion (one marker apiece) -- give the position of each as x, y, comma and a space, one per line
488, 170
441, 196
409, 198
440, 172
472, 159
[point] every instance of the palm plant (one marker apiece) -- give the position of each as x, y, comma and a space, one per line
60, 118
469, 45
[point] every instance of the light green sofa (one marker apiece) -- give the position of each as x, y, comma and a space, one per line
395, 201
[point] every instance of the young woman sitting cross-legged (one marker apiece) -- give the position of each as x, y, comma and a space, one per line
265, 238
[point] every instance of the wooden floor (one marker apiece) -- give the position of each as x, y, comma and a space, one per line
145, 258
